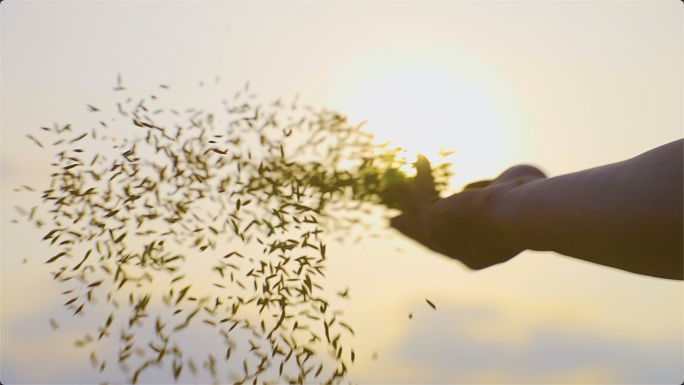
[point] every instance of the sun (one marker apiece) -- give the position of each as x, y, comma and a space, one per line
403, 108
431, 109
408, 169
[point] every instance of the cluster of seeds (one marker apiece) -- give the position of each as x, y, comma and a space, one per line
195, 180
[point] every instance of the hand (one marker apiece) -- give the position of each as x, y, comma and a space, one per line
464, 226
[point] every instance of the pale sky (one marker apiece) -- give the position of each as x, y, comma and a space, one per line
562, 85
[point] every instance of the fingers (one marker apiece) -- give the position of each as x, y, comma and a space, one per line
409, 222
419, 196
423, 184
408, 226
413, 228
419, 191
413, 197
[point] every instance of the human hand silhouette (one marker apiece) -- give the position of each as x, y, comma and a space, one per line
465, 226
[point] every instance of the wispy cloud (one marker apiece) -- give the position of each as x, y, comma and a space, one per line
448, 351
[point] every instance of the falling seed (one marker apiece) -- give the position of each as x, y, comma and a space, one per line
432, 305
79, 138
35, 141
191, 172
20, 210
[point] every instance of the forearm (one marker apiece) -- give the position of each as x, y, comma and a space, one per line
626, 215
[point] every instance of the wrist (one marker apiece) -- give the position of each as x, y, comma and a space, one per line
501, 213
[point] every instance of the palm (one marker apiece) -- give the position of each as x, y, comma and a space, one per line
459, 226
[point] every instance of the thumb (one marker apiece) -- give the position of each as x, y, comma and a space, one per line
415, 197
405, 225
412, 227
423, 185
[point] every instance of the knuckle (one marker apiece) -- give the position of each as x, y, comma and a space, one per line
521, 171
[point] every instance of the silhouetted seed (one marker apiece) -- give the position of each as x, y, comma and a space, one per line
56, 257
344, 294
260, 179
20, 210
111, 213
182, 294
84, 259
347, 327
432, 305
118, 84
35, 141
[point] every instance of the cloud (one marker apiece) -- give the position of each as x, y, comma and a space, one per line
449, 351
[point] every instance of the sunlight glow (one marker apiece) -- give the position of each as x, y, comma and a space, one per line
426, 109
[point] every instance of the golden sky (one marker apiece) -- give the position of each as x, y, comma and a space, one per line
562, 85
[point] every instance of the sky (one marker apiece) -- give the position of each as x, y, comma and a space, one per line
561, 85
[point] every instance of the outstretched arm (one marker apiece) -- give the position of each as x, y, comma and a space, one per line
627, 215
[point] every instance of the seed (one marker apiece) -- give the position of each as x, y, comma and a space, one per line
292, 203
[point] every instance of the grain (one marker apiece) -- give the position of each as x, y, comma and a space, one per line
290, 183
